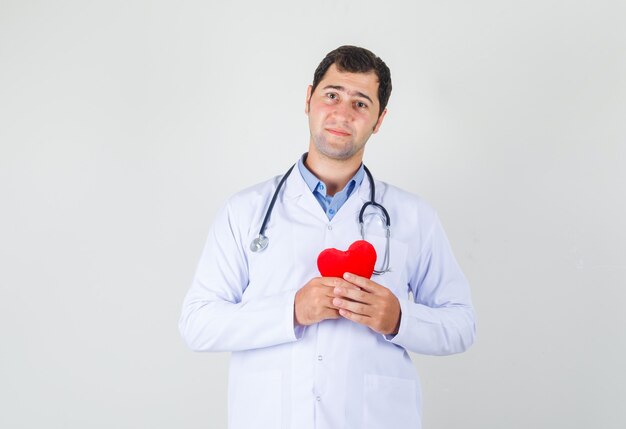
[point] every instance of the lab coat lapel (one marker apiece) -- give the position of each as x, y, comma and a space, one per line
298, 192
364, 190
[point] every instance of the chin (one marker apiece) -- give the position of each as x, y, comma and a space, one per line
338, 151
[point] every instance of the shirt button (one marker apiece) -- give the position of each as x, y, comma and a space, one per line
331, 211
319, 357
321, 187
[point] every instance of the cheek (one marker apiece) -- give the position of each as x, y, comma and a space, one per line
366, 125
322, 108
319, 113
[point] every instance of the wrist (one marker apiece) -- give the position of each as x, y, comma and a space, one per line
397, 328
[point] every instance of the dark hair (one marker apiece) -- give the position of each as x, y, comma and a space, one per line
353, 59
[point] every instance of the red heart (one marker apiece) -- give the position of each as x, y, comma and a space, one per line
359, 259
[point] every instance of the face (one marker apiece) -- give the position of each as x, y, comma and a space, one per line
343, 113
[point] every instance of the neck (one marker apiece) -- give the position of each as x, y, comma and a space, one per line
335, 173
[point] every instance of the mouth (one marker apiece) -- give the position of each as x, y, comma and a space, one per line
338, 132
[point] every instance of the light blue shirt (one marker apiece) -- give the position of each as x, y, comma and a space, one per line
330, 204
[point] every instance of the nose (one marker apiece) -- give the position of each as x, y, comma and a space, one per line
343, 111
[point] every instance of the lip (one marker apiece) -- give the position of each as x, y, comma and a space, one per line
339, 133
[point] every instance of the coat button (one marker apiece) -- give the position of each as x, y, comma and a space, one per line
318, 399
330, 227
319, 357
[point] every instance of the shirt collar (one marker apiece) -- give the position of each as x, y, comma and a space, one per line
313, 182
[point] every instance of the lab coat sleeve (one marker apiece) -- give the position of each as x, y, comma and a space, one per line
214, 318
440, 319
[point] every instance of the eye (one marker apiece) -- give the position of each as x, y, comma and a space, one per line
331, 95
361, 105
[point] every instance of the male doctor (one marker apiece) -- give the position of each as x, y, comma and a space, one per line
328, 352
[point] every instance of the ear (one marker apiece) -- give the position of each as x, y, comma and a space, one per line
308, 99
379, 122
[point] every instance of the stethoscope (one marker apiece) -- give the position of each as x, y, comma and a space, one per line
261, 242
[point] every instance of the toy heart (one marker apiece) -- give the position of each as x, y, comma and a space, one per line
359, 259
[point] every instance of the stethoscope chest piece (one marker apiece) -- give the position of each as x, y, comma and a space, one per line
259, 244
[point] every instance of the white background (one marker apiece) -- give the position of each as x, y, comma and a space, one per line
125, 124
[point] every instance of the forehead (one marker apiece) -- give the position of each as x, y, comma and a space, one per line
367, 83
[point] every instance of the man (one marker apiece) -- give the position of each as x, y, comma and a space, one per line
328, 352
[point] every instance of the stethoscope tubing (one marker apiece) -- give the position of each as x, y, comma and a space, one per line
261, 242
274, 197
372, 200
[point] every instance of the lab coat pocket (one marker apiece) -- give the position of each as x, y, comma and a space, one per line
390, 402
255, 400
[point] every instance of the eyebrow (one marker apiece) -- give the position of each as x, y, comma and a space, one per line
341, 88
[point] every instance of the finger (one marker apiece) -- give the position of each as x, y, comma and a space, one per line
362, 282
329, 304
358, 318
353, 307
331, 307
332, 296
331, 314
337, 282
354, 295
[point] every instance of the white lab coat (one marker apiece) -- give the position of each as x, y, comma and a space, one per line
336, 373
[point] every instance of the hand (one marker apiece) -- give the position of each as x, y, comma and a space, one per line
372, 305
313, 302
